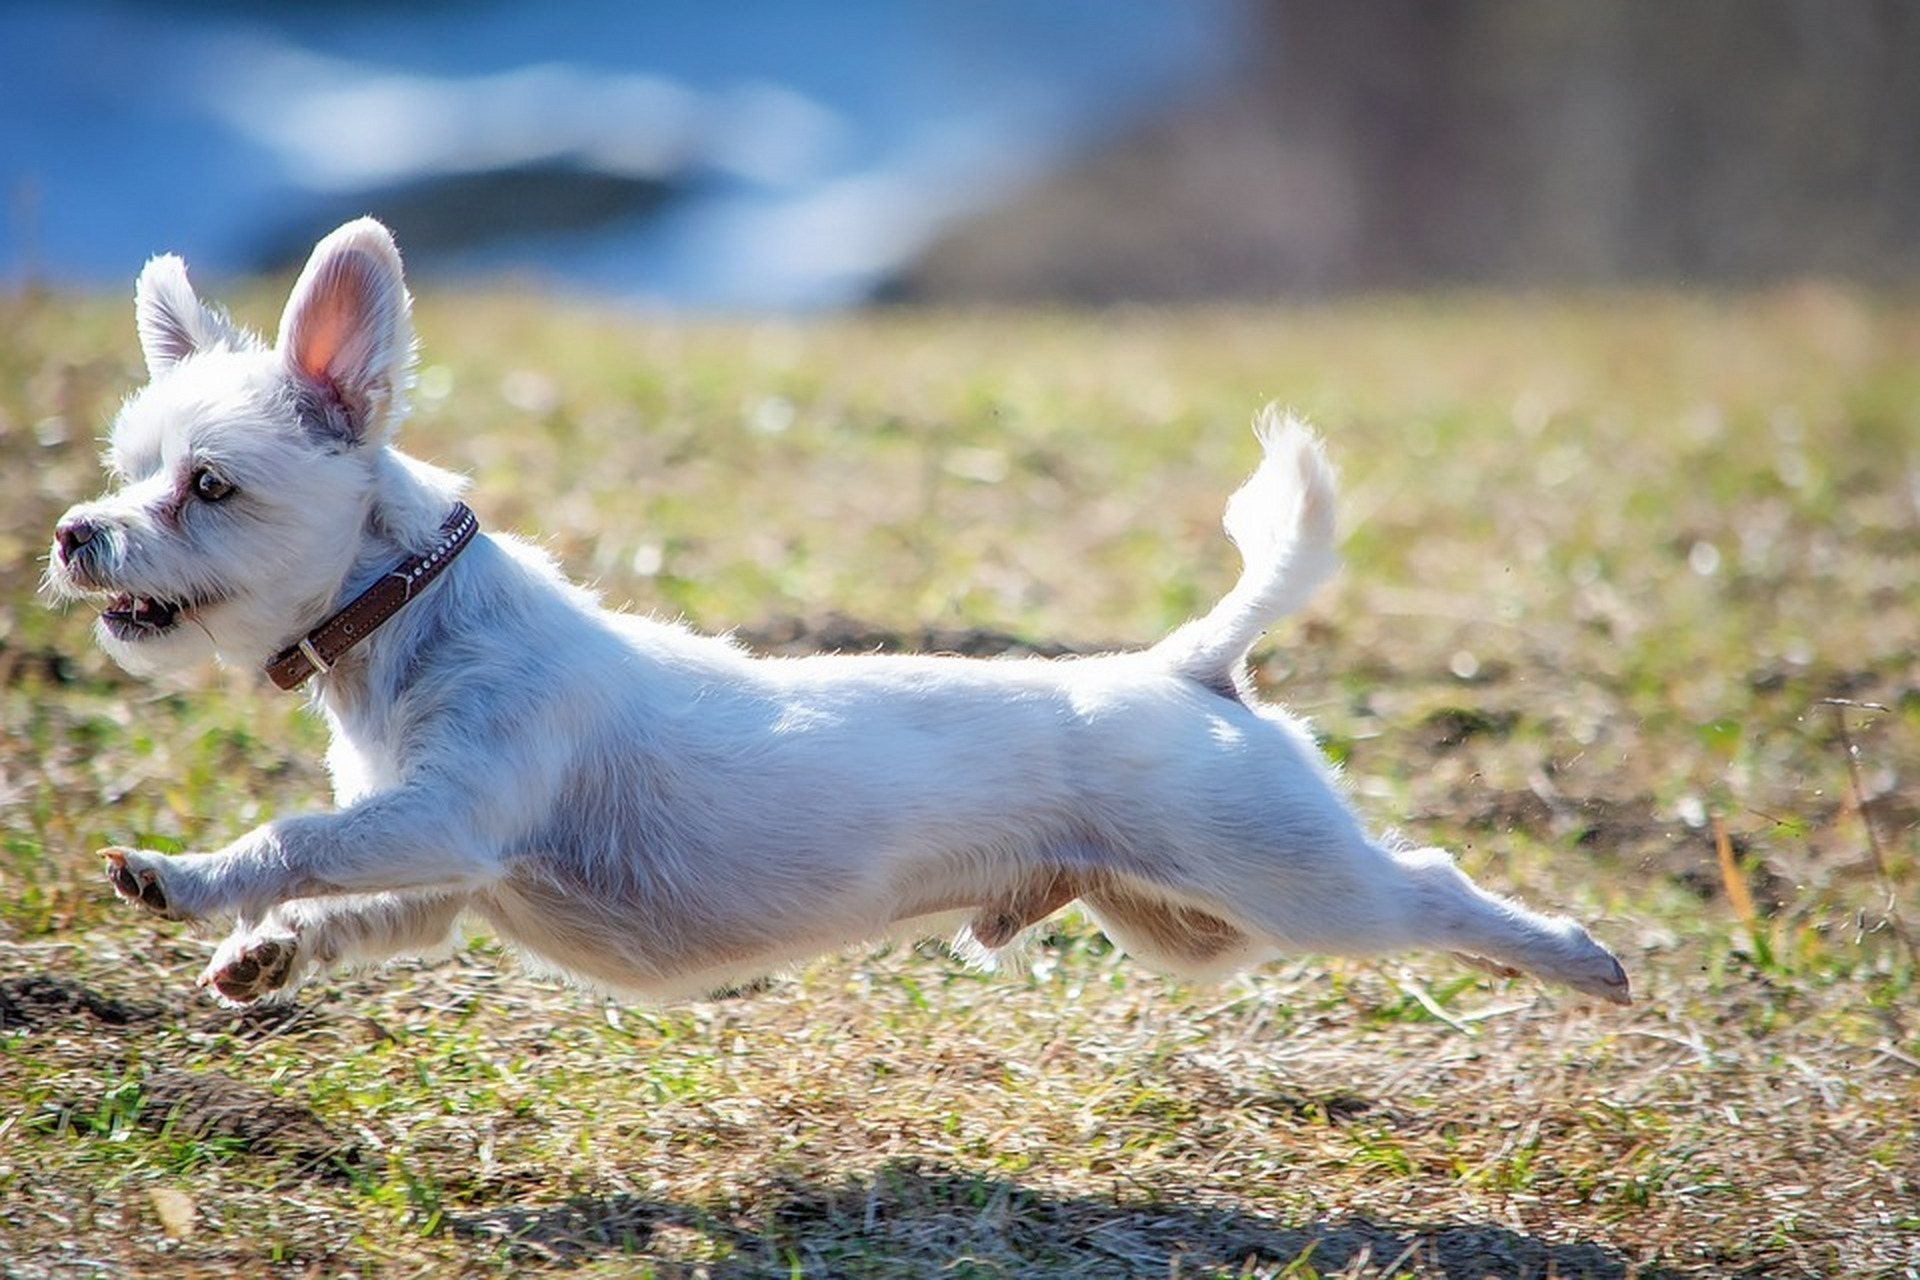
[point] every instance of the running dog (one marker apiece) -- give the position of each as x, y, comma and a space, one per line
659, 813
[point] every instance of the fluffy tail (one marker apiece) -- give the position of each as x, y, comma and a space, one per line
1282, 521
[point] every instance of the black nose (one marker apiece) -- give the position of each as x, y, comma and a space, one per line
73, 534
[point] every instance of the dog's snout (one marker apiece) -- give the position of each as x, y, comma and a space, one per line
73, 533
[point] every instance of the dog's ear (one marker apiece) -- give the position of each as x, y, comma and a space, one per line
347, 332
172, 321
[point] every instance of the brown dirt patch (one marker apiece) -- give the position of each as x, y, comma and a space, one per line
37, 1001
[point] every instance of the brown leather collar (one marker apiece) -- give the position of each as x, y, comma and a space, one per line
323, 646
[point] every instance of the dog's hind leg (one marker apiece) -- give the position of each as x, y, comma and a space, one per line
299, 938
1362, 899
1451, 913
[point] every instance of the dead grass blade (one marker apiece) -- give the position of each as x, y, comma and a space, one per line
1734, 883
1880, 867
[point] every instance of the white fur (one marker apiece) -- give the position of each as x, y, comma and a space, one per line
660, 813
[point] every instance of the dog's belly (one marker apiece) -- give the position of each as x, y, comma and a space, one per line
616, 932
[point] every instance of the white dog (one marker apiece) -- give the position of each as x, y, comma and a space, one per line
660, 813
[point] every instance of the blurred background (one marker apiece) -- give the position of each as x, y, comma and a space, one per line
771, 155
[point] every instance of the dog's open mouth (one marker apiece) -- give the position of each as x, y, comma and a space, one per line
131, 617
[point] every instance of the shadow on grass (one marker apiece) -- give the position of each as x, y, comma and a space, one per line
911, 1219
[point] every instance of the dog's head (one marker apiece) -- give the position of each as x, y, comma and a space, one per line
243, 472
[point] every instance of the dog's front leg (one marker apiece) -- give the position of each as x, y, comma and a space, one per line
414, 839
297, 939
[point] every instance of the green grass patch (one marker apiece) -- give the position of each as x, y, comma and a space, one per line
1608, 560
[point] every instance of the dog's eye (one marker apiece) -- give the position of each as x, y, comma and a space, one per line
209, 487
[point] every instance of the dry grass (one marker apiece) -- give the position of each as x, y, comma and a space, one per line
1607, 559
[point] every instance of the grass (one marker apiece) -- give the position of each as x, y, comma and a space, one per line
1608, 560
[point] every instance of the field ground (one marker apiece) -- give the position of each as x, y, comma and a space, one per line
1608, 560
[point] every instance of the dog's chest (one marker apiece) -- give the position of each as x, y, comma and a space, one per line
360, 760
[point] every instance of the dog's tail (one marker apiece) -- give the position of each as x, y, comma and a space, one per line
1282, 521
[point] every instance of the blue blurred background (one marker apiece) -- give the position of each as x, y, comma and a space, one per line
773, 154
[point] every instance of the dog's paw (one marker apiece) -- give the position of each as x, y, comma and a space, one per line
1601, 975
248, 969
136, 875
1596, 973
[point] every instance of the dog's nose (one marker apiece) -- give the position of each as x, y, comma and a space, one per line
73, 533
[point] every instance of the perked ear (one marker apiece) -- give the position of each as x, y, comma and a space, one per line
347, 333
172, 321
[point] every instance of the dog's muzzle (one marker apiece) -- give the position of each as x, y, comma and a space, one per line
81, 547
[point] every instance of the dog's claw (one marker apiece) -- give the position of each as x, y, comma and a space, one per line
120, 875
